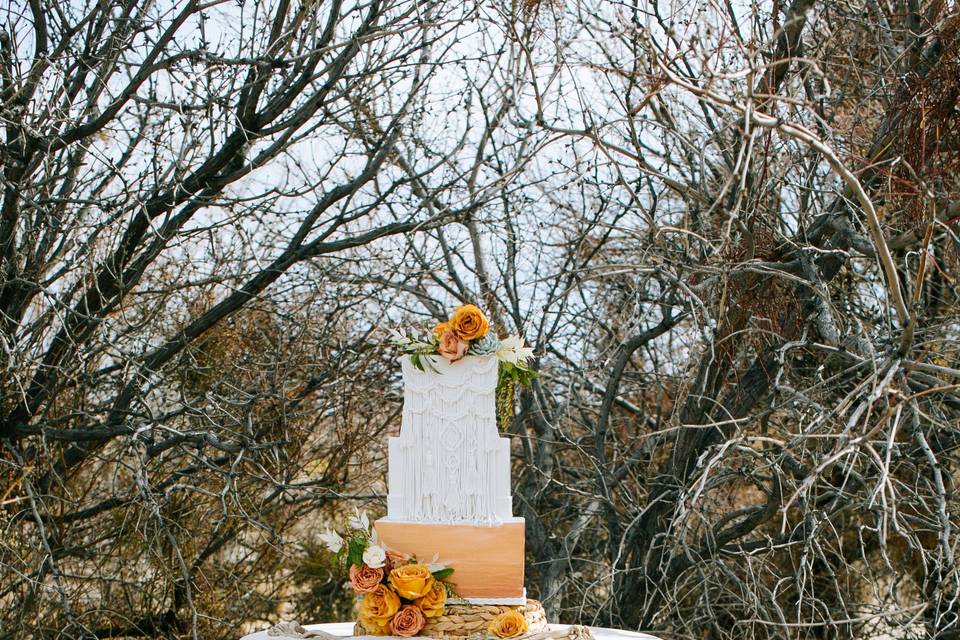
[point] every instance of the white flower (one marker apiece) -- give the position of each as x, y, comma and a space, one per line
512, 350
359, 521
374, 556
435, 564
332, 540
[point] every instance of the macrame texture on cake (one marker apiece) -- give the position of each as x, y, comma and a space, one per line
449, 463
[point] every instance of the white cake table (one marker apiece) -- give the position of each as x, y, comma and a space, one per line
346, 629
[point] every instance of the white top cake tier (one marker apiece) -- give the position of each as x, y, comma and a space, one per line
449, 464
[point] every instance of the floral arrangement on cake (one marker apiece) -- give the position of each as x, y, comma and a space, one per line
468, 332
396, 592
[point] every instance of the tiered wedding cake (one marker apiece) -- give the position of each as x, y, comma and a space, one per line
449, 496
449, 480
447, 560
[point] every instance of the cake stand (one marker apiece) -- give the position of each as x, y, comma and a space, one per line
345, 629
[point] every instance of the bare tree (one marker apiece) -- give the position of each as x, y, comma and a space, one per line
729, 230
736, 250
175, 176
803, 453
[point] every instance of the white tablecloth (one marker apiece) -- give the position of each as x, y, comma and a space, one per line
346, 629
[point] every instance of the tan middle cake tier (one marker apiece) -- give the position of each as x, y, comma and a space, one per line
465, 620
487, 560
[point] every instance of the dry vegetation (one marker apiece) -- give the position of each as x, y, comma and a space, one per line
730, 231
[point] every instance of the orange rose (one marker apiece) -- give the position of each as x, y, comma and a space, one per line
451, 346
508, 624
377, 608
469, 323
408, 621
440, 328
396, 559
432, 603
411, 581
365, 579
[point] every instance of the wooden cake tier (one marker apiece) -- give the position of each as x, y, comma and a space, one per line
460, 621
487, 560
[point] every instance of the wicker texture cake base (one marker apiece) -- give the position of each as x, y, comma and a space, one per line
461, 621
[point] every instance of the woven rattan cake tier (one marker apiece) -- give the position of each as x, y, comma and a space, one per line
460, 621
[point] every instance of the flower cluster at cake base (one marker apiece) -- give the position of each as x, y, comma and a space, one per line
468, 332
396, 593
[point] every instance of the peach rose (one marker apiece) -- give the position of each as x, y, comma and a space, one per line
408, 621
412, 581
451, 346
377, 608
432, 603
469, 323
365, 579
508, 624
396, 559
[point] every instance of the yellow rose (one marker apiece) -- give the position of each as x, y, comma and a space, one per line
468, 322
373, 627
432, 603
412, 581
508, 624
377, 608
